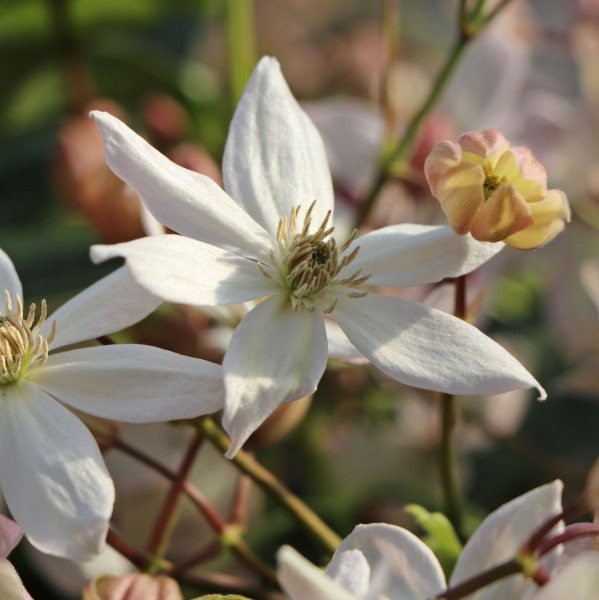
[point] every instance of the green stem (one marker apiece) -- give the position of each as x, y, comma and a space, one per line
242, 44
400, 152
300, 511
448, 455
448, 465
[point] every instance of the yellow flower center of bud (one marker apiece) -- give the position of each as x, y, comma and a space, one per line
309, 262
491, 182
21, 344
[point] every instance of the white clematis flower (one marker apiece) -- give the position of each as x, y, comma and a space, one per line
52, 474
270, 239
385, 562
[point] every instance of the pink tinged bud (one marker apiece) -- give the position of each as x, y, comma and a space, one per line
494, 192
136, 586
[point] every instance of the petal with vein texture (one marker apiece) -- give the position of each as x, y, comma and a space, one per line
133, 383
53, 477
9, 280
109, 305
500, 537
276, 355
401, 566
429, 349
405, 255
301, 580
185, 201
274, 157
179, 269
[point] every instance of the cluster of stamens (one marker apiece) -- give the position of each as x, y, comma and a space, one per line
491, 182
310, 262
21, 344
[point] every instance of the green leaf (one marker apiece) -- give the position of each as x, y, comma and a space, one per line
440, 535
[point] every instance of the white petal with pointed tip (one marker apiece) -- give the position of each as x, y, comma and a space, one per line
401, 566
185, 201
9, 280
179, 269
274, 157
429, 349
133, 383
578, 581
500, 537
111, 304
405, 255
301, 580
53, 477
276, 355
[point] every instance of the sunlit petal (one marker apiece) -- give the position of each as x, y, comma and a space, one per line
429, 349
133, 383
9, 280
53, 477
276, 355
179, 269
183, 200
111, 304
301, 580
274, 157
401, 566
405, 255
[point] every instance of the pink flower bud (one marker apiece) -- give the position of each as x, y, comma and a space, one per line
495, 192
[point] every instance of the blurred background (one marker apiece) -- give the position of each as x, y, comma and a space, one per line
174, 72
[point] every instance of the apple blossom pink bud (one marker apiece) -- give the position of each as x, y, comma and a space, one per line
495, 192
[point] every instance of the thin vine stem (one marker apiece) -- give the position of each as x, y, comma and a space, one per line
158, 541
300, 511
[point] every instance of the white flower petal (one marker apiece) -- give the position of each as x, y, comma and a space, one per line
10, 535
109, 305
11, 586
133, 383
53, 477
429, 349
301, 580
274, 157
351, 571
500, 537
340, 348
405, 255
401, 565
187, 202
276, 355
579, 580
9, 280
179, 269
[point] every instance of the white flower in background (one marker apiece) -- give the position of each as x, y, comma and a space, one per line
273, 243
384, 562
52, 474
11, 586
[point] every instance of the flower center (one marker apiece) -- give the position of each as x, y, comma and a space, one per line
491, 182
21, 344
310, 262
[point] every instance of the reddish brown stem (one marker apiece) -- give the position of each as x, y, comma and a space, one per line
139, 559
212, 517
158, 538
239, 508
